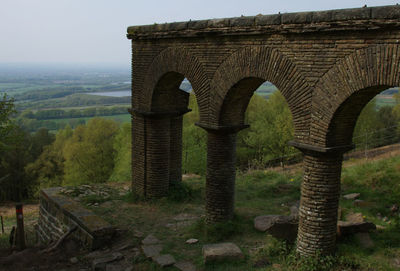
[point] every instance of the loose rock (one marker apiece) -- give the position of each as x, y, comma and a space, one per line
164, 260
279, 226
192, 241
152, 250
221, 252
74, 260
294, 211
355, 217
185, 266
150, 240
351, 196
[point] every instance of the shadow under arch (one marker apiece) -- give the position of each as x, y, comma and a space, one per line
164, 76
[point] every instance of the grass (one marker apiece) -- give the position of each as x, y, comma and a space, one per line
264, 192
31, 214
259, 193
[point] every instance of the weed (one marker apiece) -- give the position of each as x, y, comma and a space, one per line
182, 192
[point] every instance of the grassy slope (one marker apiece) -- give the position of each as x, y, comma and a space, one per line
259, 193
262, 192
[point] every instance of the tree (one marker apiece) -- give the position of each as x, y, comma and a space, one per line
15, 184
123, 149
366, 131
6, 123
194, 141
48, 169
89, 153
270, 130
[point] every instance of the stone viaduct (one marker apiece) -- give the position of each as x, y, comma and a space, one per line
327, 65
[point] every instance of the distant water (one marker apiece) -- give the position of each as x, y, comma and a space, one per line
122, 93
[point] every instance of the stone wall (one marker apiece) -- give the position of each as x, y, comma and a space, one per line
59, 213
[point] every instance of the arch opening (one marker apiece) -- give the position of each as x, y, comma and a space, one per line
364, 117
157, 134
261, 105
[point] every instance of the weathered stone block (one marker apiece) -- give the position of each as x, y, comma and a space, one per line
221, 252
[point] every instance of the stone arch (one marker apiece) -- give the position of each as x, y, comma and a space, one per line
337, 101
243, 72
346, 88
164, 76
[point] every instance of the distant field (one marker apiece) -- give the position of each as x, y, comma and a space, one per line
385, 100
73, 122
120, 118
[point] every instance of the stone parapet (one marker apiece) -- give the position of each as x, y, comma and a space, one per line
329, 20
59, 213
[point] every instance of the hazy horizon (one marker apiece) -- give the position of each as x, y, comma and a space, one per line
93, 32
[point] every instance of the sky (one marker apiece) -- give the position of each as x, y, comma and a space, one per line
94, 31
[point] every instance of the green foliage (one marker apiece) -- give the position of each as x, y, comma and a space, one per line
6, 123
319, 263
89, 153
48, 169
17, 149
123, 147
270, 130
23, 149
182, 192
194, 142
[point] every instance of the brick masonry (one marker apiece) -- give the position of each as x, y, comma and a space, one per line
58, 214
327, 65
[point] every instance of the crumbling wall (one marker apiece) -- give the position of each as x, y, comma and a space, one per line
59, 213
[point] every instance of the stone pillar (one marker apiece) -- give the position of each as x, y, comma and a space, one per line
221, 171
156, 151
150, 153
320, 191
157, 157
138, 154
175, 162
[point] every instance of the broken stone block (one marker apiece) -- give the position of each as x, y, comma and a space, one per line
185, 266
221, 252
150, 240
164, 260
152, 250
279, 226
355, 217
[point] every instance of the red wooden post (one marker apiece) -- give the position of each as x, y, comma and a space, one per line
20, 227
2, 225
